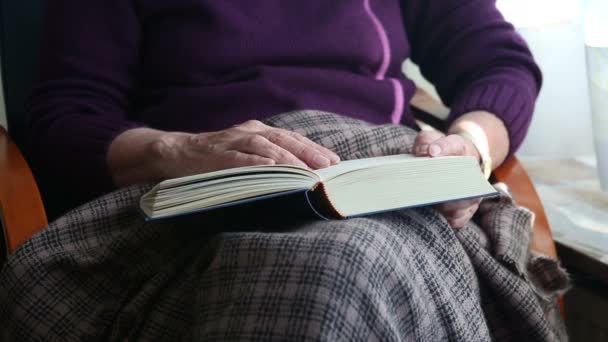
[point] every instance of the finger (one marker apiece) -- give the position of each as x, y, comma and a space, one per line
454, 213
460, 222
233, 158
332, 156
261, 146
256, 126
458, 205
452, 145
458, 212
427, 137
459, 218
423, 140
303, 151
253, 125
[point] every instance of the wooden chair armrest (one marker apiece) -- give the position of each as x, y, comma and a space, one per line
21, 209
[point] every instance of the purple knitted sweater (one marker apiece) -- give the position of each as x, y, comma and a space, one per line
198, 65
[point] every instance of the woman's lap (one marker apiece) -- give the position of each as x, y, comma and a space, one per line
386, 278
395, 276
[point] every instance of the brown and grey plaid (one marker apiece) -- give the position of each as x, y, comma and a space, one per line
102, 273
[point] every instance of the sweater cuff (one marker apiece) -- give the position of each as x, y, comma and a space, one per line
512, 104
107, 136
83, 157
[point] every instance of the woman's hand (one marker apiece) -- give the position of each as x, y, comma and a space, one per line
436, 144
165, 155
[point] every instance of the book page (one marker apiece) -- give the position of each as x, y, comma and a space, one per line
236, 172
358, 164
169, 200
406, 183
220, 187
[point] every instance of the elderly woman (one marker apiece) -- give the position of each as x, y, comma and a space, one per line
136, 91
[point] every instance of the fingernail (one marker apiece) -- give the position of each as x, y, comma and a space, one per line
422, 149
320, 161
435, 150
301, 164
334, 158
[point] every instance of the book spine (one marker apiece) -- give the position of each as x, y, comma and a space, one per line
321, 203
279, 207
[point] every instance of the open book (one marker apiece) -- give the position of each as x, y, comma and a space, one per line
351, 188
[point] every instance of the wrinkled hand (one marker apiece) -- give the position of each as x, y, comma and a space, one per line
436, 144
247, 144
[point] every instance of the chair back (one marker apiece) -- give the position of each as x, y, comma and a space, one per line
19, 43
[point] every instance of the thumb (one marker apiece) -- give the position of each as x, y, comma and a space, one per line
423, 139
452, 145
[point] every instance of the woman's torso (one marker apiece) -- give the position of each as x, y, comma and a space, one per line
208, 64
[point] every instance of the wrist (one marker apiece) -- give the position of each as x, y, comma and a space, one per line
136, 156
481, 148
488, 129
470, 147
164, 151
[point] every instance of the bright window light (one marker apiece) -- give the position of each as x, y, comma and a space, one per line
596, 23
539, 13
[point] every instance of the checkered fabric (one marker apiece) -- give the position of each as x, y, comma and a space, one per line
102, 273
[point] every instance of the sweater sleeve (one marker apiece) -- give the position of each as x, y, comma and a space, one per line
80, 101
476, 60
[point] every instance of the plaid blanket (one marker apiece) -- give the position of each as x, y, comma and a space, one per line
102, 273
